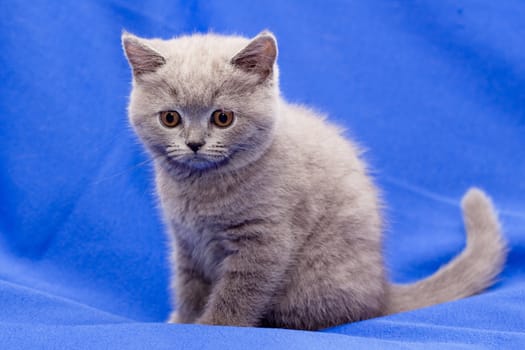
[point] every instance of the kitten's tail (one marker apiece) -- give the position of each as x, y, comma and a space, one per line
470, 272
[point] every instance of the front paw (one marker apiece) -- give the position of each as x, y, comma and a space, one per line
174, 317
223, 320
206, 319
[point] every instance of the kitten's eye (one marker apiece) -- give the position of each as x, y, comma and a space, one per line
221, 118
170, 119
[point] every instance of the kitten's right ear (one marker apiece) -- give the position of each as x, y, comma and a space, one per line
142, 58
259, 56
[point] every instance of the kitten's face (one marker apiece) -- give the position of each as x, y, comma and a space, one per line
205, 101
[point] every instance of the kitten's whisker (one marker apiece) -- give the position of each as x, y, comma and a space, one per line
174, 153
125, 171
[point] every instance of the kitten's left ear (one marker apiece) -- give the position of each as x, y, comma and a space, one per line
142, 58
259, 56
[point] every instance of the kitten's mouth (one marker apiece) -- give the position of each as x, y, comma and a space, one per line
198, 161
201, 161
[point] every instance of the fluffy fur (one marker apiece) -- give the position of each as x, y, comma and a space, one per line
275, 221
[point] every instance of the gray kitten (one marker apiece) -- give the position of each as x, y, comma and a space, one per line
274, 219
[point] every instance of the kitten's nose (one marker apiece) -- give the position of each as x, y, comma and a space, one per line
195, 146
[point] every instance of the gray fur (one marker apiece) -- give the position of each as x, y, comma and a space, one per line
275, 221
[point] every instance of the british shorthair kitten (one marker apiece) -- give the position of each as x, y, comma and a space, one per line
274, 219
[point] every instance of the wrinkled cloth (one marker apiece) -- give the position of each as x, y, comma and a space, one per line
434, 91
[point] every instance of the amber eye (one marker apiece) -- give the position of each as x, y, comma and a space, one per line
170, 119
221, 118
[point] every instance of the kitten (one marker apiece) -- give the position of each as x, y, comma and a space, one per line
274, 219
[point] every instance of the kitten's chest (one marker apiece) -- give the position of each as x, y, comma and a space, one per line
199, 214
198, 229
202, 246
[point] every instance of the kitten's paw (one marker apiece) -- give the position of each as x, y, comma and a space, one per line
174, 317
204, 320
223, 320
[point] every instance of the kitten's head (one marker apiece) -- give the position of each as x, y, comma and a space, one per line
203, 102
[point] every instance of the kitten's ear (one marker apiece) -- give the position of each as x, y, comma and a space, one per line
259, 56
142, 58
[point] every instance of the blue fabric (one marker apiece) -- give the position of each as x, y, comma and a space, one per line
434, 90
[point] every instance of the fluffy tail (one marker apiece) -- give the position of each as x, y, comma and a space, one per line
470, 272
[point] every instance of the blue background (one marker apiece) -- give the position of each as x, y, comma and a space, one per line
434, 90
